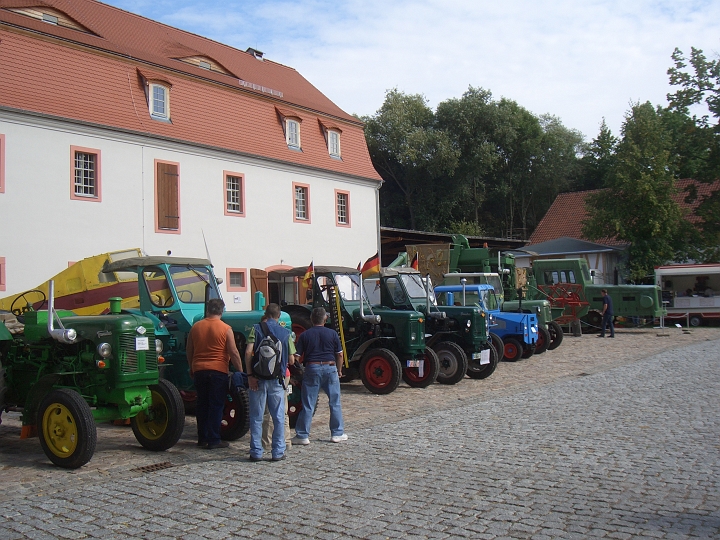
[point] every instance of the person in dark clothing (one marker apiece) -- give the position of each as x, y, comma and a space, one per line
607, 314
323, 359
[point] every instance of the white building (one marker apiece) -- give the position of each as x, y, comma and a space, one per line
119, 132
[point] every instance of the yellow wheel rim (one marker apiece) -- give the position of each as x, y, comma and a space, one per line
60, 430
153, 423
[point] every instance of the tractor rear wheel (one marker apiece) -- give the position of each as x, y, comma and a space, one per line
453, 362
543, 340
161, 426
236, 415
477, 371
512, 350
300, 322
418, 378
380, 371
68, 435
556, 335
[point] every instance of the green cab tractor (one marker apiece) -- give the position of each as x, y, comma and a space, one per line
382, 345
458, 334
66, 372
173, 292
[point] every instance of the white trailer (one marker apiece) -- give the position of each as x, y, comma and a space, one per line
690, 291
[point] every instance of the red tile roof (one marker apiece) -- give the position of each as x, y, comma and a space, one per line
71, 74
567, 212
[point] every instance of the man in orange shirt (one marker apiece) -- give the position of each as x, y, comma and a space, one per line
210, 349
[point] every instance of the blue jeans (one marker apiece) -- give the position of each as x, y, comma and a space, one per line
319, 376
607, 320
212, 389
272, 394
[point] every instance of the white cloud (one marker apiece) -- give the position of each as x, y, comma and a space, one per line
580, 61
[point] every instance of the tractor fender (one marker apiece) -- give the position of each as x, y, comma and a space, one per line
442, 336
384, 342
36, 394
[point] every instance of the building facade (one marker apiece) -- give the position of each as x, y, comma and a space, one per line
119, 132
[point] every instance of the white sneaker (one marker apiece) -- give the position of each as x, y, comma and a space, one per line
339, 438
298, 440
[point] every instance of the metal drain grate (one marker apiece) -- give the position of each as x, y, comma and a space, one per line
153, 468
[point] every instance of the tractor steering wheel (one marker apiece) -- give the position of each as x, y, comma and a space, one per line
19, 311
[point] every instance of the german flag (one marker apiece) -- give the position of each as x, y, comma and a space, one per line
307, 279
371, 267
416, 261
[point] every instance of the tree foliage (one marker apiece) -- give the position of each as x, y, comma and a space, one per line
638, 205
475, 161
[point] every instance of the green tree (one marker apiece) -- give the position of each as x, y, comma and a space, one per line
597, 161
638, 205
696, 149
415, 159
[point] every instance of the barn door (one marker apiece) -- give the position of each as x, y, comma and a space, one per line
259, 282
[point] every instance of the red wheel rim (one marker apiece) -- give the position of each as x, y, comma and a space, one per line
540, 343
413, 373
378, 371
298, 329
510, 350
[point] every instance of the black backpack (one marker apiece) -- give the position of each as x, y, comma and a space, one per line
267, 358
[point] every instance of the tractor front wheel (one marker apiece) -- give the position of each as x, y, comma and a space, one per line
380, 371
161, 426
453, 362
478, 371
512, 350
235, 422
556, 335
68, 435
498, 344
422, 378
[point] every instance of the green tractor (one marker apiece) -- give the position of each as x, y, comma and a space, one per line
173, 292
458, 334
66, 372
382, 346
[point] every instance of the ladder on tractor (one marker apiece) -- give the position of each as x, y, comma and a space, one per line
336, 316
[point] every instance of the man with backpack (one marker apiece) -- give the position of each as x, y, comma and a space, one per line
269, 348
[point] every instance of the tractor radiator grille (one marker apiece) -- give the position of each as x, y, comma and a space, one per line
129, 356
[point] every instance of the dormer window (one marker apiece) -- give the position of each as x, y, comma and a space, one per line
292, 133
52, 19
159, 101
205, 65
334, 143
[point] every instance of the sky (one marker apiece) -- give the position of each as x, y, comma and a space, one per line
578, 60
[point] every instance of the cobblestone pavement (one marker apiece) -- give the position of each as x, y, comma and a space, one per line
600, 438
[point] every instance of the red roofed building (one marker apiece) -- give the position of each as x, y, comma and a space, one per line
559, 233
117, 131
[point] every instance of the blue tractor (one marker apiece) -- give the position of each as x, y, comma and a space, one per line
513, 333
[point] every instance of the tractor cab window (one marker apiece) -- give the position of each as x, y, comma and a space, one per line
372, 289
323, 283
396, 291
489, 300
349, 286
413, 285
190, 283
586, 274
158, 287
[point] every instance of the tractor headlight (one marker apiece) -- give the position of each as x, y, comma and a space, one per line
158, 346
468, 323
413, 336
104, 350
70, 335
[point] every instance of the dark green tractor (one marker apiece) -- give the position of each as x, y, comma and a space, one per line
382, 345
457, 334
66, 372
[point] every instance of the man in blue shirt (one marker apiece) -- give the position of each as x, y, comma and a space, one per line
607, 314
270, 392
323, 360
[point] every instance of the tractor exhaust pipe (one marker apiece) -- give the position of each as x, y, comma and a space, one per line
61, 334
463, 281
